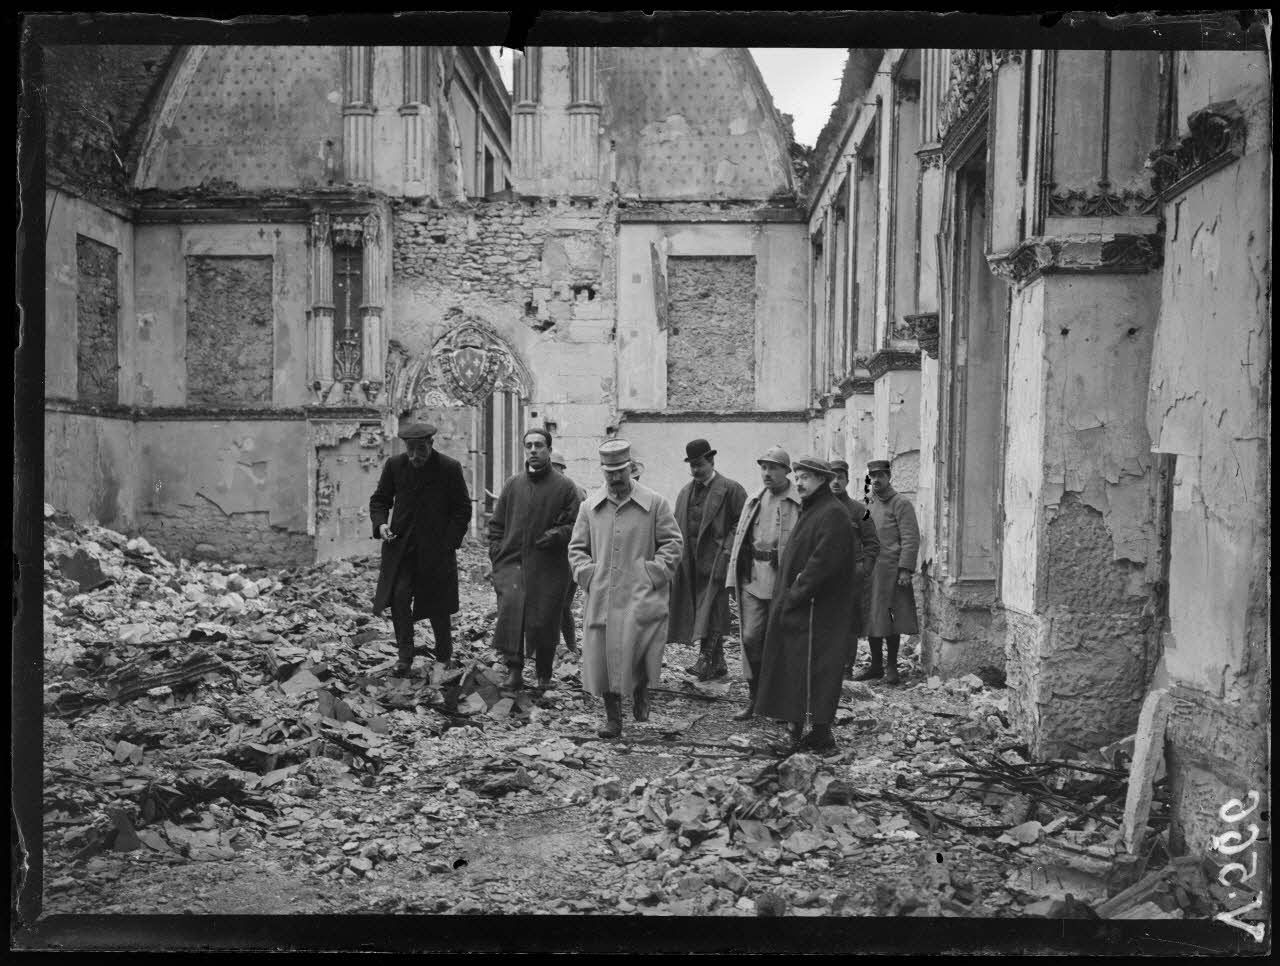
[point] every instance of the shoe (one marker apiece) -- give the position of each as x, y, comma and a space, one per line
819, 740
869, 673
891, 675
401, 670
717, 668
640, 702
514, 680
749, 712
699, 667
613, 715
544, 684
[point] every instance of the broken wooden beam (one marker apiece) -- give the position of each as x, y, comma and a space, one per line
1148, 755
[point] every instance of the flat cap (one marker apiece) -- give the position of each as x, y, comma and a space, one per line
840, 466
776, 454
615, 455
815, 465
417, 430
875, 465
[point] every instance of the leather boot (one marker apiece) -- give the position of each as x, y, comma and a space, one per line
717, 667
891, 662
613, 715
819, 739
699, 667
876, 670
514, 680
640, 702
753, 688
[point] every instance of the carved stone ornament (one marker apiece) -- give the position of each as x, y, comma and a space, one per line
1114, 254
347, 232
924, 328
1002, 56
466, 365
892, 360
929, 158
1216, 139
1078, 203
970, 76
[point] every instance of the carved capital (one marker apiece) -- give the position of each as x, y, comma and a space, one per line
968, 84
893, 360
1103, 254
1216, 139
1078, 203
930, 157
924, 328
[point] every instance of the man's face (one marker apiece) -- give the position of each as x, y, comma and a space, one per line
419, 450
879, 481
774, 476
618, 482
840, 483
537, 454
807, 482
701, 468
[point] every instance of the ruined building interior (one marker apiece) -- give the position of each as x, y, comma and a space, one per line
1036, 281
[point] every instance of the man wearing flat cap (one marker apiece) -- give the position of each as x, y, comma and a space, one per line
567, 630
761, 537
420, 512
707, 510
891, 611
624, 551
529, 549
860, 514
804, 646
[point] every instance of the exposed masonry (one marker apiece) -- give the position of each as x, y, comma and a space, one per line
711, 338
202, 531
230, 339
97, 321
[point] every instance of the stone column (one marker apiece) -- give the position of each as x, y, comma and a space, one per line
373, 343
525, 120
418, 123
320, 332
357, 115
584, 121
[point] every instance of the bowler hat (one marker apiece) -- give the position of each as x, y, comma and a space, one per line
615, 455
417, 431
840, 466
876, 465
776, 454
698, 449
815, 465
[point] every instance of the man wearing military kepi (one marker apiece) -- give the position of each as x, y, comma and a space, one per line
528, 547
420, 512
804, 647
624, 551
707, 511
891, 611
860, 514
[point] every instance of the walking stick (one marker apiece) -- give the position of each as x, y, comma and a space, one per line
808, 676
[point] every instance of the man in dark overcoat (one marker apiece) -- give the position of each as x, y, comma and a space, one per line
420, 512
566, 617
804, 646
892, 608
860, 514
707, 511
529, 535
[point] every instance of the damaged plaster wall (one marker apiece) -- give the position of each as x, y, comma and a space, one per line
711, 332
229, 330
349, 459
97, 322
89, 466
897, 426
1209, 404
236, 490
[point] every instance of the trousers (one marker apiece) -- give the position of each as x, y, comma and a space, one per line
402, 616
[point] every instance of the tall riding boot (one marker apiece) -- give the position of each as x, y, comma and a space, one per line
699, 667
876, 670
640, 701
718, 668
753, 688
891, 663
613, 715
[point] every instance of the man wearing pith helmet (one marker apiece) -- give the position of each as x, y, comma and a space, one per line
623, 554
761, 537
804, 646
707, 511
891, 610
420, 512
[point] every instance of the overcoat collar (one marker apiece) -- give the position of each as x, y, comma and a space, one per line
641, 496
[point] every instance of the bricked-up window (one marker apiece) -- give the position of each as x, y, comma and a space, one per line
230, 330
711, 338
97, 321
348, 293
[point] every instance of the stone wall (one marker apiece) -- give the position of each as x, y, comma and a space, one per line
711, 332
97, 321
201, 531
230, 332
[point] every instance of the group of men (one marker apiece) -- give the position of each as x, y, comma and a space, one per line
812, 570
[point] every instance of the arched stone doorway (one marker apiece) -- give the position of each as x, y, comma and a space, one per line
475, 387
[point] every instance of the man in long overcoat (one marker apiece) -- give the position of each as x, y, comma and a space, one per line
529, 549
707, 511
860, 514
761, 537
420, 512
624, 551
804, 647
567, 630
892, 608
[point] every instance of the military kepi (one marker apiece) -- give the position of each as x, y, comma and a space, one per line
840, 466
615, 455
697, 449
417, 431
875, 465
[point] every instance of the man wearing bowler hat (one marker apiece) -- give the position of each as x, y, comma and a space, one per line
707, 510
623, 553
761, 537
420, 512
860, 514
805, 644
891, 611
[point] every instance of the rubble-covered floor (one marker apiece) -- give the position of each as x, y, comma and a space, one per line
220, 739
